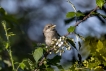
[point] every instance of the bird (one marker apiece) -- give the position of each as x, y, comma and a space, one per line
53, 39
50, 33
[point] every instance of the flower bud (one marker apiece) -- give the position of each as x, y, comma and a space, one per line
57, 51
50, 52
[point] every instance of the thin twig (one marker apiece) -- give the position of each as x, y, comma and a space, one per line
42, 60
77, 23
8, 47
75, 10
86, 16
73, 6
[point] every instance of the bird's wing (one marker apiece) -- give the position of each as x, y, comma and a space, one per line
57, 33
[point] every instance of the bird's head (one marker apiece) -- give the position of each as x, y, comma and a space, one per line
49, 28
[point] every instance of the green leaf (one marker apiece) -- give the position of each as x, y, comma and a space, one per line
2, 11
100, 3
70, 14
104, 16
22, 65
71, 42
32, 64
78, 14
38, 54
71, 29
7, 45
49, 69
11, 34
54, 61
99, 14
99, 46
73, 14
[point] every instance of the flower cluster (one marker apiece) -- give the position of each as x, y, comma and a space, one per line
60, 45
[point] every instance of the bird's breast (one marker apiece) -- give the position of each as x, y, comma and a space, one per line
49, 36
48, 42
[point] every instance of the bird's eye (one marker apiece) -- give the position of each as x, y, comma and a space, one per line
48, 26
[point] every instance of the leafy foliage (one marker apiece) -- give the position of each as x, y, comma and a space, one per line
38, 53
100, 3
71, 29
73, 14
98, 14
98, 49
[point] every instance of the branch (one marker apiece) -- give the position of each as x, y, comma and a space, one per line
77, 23
42, 60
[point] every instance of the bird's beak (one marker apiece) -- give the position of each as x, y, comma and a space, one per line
53, 26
